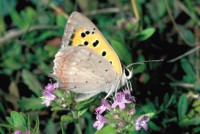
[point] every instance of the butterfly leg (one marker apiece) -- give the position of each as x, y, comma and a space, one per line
127, 84
113, 89
130, 86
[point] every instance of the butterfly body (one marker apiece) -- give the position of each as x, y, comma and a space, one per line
86, 63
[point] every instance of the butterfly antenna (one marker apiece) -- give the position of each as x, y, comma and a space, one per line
143, 62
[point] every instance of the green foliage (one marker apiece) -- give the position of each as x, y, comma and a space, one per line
50, 127
107, 130
143, 35
182, 106
122, 51
31, 103
31, 81
19, 121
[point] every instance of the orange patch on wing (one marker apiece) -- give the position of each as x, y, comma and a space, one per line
98, 44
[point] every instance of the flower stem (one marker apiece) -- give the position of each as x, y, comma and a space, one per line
77, 125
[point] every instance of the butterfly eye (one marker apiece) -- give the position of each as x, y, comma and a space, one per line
127, 73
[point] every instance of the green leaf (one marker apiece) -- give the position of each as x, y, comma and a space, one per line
46, 34
50, 128
2, 25
172, 100
1, 130
196, 103
2, 109
31, 81
67, 118
122, 51
37, 125
188, 35
16, 19
188, 122
196, 130
7, 6
12, 58
60, 21
81, 112
189, 70
197, 86
182, 106
30, 103
10, 121
7, 126
30, 15
106, 130
150, 115
84, 104
143, 35
62, 128
19, 120
153, 126
23, 19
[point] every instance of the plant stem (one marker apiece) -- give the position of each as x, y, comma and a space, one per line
77, 125
174, 23
137, 16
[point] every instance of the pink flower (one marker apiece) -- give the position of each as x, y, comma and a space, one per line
141, 122
116, 116
120, 26
100, 121
120, 100
120, 124
128, 95
104, 105
133, 20
132, 111
20, 132
48, 93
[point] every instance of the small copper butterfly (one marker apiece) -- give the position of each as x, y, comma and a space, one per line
86, 63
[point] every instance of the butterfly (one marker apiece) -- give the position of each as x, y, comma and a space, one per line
86, 63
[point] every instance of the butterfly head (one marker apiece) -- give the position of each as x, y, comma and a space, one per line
127, 74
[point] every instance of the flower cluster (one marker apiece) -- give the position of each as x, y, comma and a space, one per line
120, 113
129, 24
20, 132
48, 94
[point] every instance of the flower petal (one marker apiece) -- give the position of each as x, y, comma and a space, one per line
114, 104
137, 127
100, 126
122, 106
145, 126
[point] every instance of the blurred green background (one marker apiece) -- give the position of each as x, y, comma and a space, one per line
138, 30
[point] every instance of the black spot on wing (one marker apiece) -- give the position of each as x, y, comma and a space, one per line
87, 32
103, 53
95, 43
83, 35
70, 42
86, 43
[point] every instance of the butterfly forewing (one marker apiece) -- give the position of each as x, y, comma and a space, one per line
81, 31
81, 70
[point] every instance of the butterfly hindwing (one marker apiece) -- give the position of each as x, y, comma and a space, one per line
81, 70
81, 31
